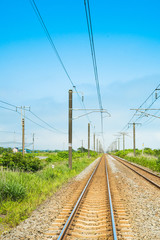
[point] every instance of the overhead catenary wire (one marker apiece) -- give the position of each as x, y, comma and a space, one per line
90, 33
94, 61
40, 18
153, 100
37, 12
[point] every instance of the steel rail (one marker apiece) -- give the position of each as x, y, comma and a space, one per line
66, 226
111, 207
123, 160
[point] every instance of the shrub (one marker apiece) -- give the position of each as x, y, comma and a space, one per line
17, 161
63, 154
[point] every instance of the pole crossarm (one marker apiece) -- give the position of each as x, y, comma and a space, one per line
143, 111
148, 114
134, 123
91, 111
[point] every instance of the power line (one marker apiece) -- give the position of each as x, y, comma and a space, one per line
8, 109
31, 119
9, 132
90, 33
8, 103
46, 123
39, 16
152, 101
93, 54
38, 124
36, 10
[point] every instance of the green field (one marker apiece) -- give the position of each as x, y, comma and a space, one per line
25, 185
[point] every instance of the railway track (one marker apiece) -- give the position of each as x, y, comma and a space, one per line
146, 174
93, 215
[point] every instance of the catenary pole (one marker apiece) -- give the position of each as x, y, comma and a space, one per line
33, 142
134, 140
88, 140
70, 130
23, 143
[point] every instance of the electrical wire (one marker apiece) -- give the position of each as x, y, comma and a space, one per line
8, 109
39, 16
153, 101
94, 61
36, 10
9, 132
90, 33
147, 108
31, 119
46, 123
8, 103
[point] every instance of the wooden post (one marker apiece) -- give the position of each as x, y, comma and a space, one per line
88, 140
23, 136
70, 130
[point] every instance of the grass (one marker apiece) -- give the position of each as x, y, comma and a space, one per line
147, 160
21, 192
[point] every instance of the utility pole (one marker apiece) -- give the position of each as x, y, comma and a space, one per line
82, 146
134, 140
33, 142
23, 136
23, 122
14, 139
70, 130
118, 143
124, 134
88, 140
115, 145
99, 146
123, 141
94, 141
134, 136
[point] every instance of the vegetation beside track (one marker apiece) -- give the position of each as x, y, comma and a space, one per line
148, 158
23, 189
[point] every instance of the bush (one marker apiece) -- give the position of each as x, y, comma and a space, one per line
63, 154
2, 150
17, 161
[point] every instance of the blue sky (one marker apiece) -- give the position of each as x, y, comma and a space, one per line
127, 43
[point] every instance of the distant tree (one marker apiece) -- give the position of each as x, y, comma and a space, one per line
82, 149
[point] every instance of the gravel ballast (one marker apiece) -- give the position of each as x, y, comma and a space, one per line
141, 199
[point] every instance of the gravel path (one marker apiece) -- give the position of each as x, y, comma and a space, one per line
141, 199
41, 219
